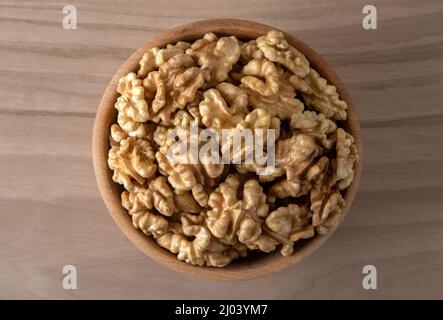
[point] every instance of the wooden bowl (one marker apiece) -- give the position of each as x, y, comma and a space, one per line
244, 268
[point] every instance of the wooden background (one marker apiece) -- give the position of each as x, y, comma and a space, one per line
51, 81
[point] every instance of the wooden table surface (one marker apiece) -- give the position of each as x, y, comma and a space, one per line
52, 215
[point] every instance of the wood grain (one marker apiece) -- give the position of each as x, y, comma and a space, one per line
51, 81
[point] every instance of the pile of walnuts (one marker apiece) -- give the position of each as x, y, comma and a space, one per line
209, 214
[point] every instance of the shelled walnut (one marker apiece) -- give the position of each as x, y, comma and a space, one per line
211, 210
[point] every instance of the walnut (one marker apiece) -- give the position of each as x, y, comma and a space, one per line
186, 250
261, 119
315, 125
117, 135
132, 102
300, 184
281, 104
195, 244
203, 249
181, 176
172, 87
179, 244
296, 153
318, 170
194, 112
326, 201
136, 129
292, 157
191, 113
132, 161
160, 135
157, 195
184, 176
288, 225
150, 223
231, 219
184, 118
156, 57
158, 198
299, 84
323, 97
219, 255
200, 195
185, 202
216, 55
224, 217
257, 119
326, 206
347, 156
277, 49
138, 200
162, 196
223, 107
182, 79
250, 51
290, 188
264, 243
330, 223
295, 157
133, 128
146, 220
256, 69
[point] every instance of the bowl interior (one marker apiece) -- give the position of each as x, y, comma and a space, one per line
244, 268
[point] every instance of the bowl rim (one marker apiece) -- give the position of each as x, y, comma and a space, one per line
109, 190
